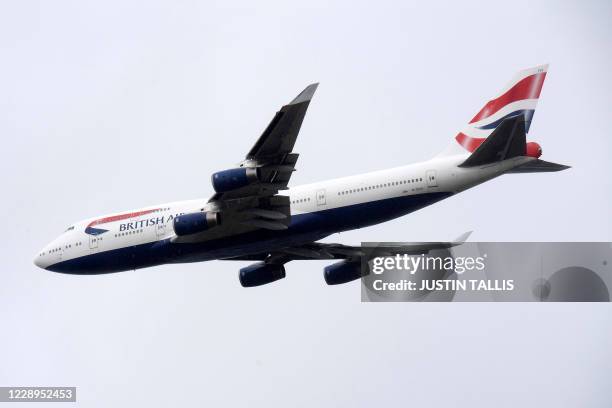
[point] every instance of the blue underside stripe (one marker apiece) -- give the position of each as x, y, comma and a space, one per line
304, 228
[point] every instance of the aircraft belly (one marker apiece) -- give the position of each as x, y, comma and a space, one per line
304, 228
307, 227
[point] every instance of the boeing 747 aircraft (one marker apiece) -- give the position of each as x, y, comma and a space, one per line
254, 215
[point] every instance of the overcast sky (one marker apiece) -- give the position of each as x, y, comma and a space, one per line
112, 105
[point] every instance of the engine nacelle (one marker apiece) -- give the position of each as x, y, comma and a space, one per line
193, 223
533, 149
260, 274
342, 272
233, 179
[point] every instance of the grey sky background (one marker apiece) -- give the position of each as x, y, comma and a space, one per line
114, 105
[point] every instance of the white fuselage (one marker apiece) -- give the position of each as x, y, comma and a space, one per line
130, 240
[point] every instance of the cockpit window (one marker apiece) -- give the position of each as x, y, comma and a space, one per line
69, 228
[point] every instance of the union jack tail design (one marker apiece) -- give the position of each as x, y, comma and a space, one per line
519, 97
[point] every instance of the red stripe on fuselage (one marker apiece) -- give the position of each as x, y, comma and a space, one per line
527, 88
469, 143
120, 217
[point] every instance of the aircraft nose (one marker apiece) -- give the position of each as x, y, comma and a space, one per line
39, 261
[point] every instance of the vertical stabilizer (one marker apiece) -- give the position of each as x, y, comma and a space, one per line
519, 97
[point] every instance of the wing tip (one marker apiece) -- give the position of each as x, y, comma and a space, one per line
306, 95
463, 237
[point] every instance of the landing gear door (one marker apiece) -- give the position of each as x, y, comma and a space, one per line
321, 197
432, 178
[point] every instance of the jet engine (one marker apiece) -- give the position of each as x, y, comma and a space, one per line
233, 179
260, 274
342, 272
193, 223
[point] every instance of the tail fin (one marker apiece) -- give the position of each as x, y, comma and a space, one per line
519, 97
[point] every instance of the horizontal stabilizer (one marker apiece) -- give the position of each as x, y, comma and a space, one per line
508, 140
538, 166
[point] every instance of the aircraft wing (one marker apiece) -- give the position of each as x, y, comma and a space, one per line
323, 251
273, 153
247, 196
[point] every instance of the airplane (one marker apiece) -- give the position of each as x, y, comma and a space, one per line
254, 215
